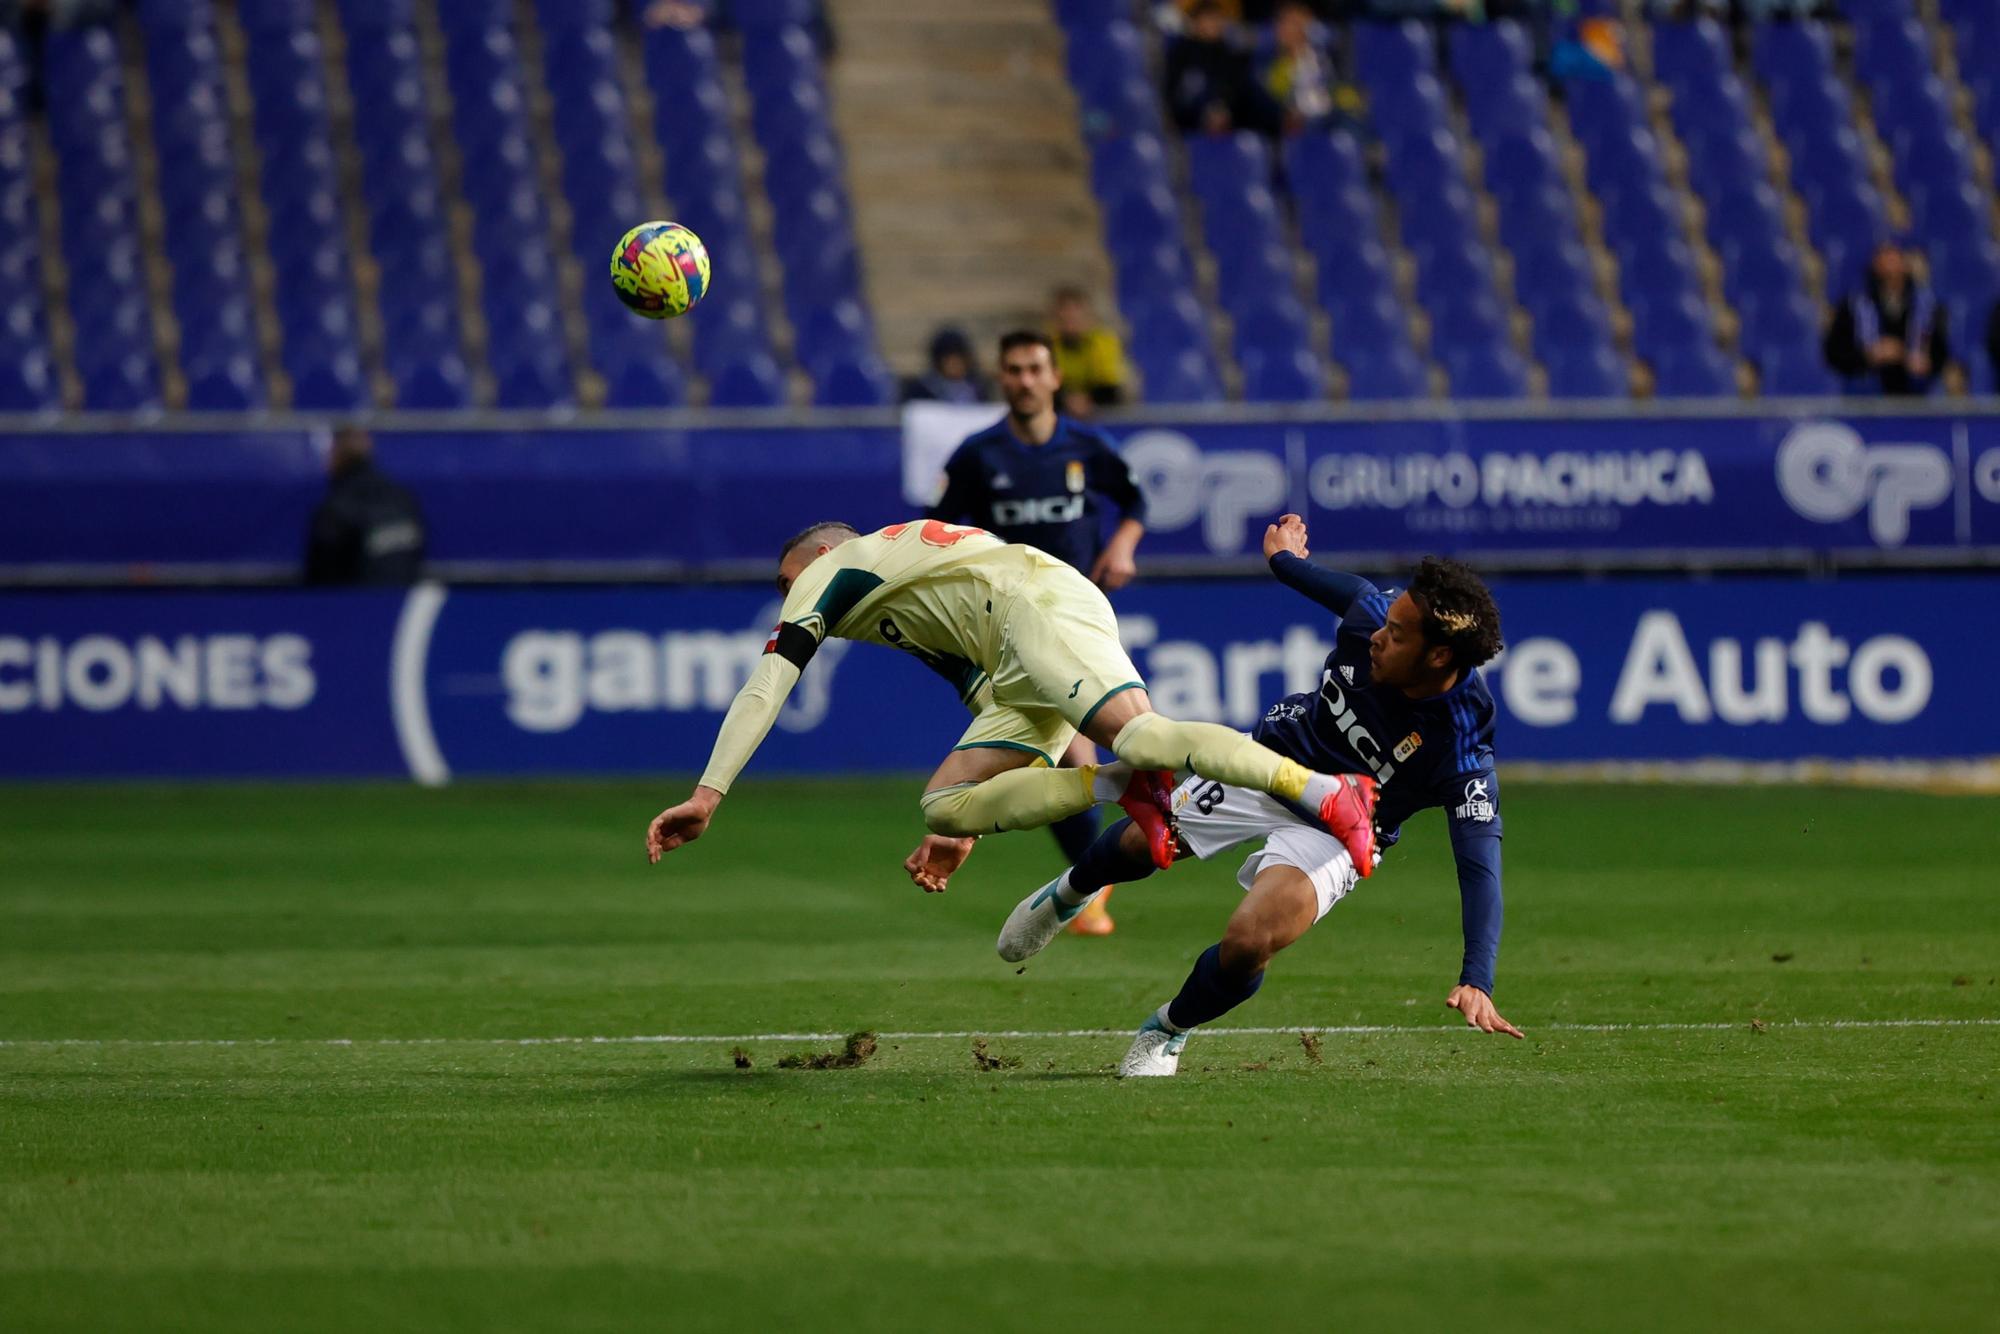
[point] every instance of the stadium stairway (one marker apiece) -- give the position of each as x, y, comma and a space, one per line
970, 192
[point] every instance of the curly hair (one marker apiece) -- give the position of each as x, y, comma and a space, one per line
1459, 611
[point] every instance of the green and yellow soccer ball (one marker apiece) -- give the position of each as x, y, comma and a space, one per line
660, 269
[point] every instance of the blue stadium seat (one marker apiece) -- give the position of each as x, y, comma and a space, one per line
1587, 372
647, 379
1489, 371
28, 380
753, 382
1693, 371
1384, 372
1796, 370
854, 382
1183, 377
1272, 375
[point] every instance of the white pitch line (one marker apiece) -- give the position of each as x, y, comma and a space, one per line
693, 1039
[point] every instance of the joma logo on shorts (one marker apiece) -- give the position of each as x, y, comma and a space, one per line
1348, 722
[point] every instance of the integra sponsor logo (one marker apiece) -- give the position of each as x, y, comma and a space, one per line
1478, 803
104, 673
1562, 480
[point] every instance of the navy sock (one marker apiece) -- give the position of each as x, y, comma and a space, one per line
1211, 991
1104, 862
1075, 834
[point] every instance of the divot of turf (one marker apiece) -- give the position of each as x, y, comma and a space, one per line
858, 1051
985, 1060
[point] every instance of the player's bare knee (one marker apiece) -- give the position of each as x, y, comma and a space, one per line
1248, 945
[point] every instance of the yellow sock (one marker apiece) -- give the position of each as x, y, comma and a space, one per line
1151, 741
1016, 799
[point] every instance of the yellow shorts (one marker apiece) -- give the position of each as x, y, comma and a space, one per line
1060, 660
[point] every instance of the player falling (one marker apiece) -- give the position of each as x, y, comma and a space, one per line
1401, 698
1033, 647
1039, 477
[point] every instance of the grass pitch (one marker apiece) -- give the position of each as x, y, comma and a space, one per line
379, 1151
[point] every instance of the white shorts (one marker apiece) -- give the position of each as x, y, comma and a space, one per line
1215, 818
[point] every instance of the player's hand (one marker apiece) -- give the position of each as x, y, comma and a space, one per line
931, 865
1114, 569
1287, 534
1477, 1007
682, 824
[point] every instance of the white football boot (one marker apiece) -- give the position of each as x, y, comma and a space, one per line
1154, 1051
1035, 921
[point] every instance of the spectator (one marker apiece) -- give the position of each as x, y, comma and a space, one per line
1210, 86
1890, 335
368, 530
1089, 356
1298, 75
953, 378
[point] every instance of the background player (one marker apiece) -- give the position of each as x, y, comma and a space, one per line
1037, 642
1037, 477
1400, 697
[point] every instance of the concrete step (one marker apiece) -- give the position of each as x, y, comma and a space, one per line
971, 199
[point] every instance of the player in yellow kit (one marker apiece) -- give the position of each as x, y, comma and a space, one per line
1033, 647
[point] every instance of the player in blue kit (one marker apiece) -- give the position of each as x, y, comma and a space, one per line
1040, 478
1400, 698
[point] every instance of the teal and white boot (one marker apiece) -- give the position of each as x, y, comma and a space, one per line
1036, 920
1155, 1051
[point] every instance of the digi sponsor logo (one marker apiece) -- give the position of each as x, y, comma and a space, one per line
1829, 474
1050, 509
106, 673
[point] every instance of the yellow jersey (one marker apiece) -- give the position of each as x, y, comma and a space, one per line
937, 591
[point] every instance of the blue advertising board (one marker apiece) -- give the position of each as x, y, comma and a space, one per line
1583, 489
1625, 485
438, 682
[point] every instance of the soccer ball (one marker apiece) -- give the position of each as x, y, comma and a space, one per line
660, 269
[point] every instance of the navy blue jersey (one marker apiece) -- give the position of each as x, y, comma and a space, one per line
1424, 752
1048, 496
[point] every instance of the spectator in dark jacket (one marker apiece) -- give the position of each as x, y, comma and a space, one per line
1890, 335
1211, 88
952, 378
367, 530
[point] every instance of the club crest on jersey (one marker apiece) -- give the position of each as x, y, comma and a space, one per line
1478, 804
1408, 746
1073, 477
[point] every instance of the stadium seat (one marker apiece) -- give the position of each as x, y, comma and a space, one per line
1693, 371
1592, 372
754, 382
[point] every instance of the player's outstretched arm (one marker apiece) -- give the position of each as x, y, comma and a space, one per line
744, 728
1285, 549
1477, 1007
932, 864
